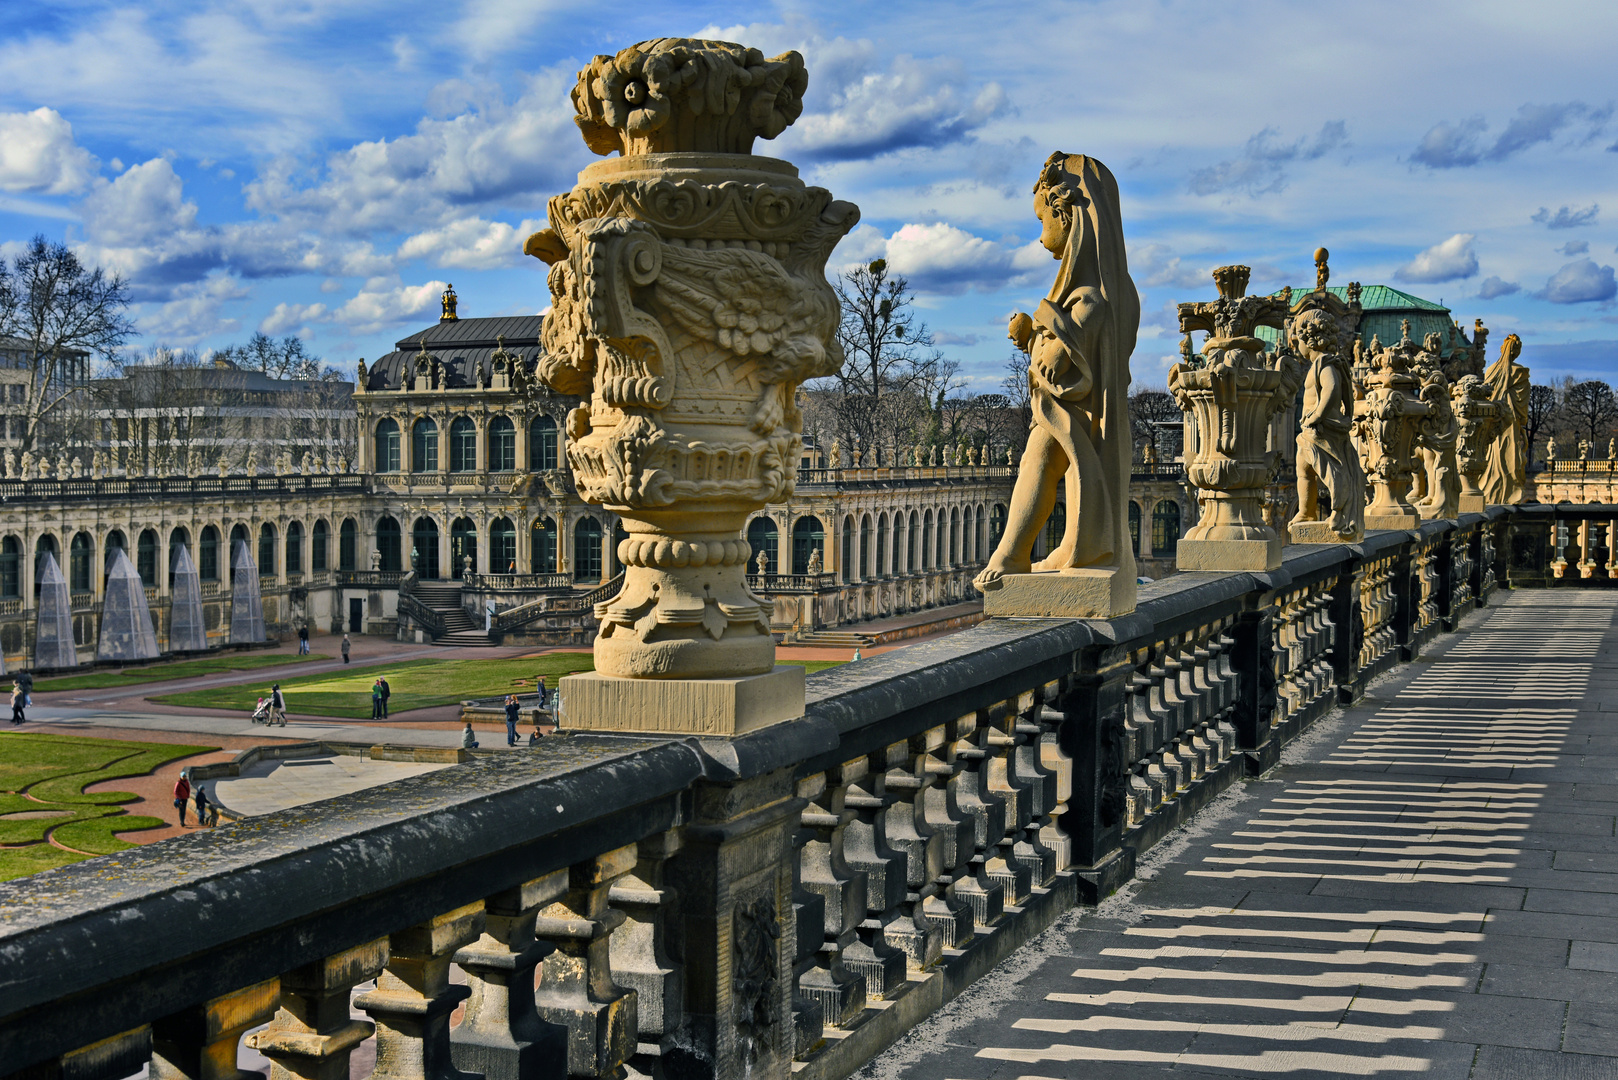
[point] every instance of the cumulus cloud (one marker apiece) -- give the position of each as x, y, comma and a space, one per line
1258, 170
1452, 259
1566, 217
472, 243
287, 318
1156, 265
1575, 247
385, 302
195, 312
1580, 282
943, 338
944, 259
1462, 144
1493, 287
37, 153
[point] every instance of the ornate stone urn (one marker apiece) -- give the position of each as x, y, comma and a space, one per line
689, 301
1478, 418
1233, 391
1386, 418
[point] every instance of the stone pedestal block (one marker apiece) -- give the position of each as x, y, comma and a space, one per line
1072, 594
1391, 521
1320, 532
596, 702
1228, 555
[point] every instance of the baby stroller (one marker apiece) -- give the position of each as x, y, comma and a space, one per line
261, 714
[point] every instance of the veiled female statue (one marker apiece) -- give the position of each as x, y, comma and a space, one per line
1078, 344
1505, 469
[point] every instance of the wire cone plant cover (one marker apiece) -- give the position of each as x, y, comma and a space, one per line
689, 300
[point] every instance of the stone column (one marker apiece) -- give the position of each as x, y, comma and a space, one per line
200, 1043
312, 1034
689, 301
414, 998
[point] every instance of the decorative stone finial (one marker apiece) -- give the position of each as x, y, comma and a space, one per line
685, 94
1322, 271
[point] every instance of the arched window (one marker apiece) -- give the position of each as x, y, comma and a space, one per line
865, 547
1165, 528
10, 568
847, 567
348, 545
881, 545
295, 548
208, 554
1055, 526
502, 446
541, 443
424, 446
146, 558
997, 524
954, 537
115, 543
81, 552
927, 541
45, 545
238, 535
587, 551
808, 535
266, 550
387, 446
320, 546
424, 548
502, 546
762, 535
178, 538
1134, 527
387, 545
913, 543
463, 545
619, 535
463, 445
542, 554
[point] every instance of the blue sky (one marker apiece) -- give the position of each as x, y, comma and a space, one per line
322, 168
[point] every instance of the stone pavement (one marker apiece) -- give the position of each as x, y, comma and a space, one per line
1427, 886
268, 786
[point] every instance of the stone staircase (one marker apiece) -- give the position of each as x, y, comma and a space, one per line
840, 639
444, 597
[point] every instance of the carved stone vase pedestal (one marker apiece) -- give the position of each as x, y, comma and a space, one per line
1069, 594
1320, 532
727, 706
1375, 520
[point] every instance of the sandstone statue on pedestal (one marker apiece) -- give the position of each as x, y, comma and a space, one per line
1326, 458
689, 301
1078, 343
1233, 392
1386, 415
1477, 419
1505, 468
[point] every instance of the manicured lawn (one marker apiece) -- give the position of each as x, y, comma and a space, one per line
812, 666
416, 684
44, 775
182, 669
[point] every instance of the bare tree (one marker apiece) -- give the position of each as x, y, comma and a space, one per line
1590, 410
284, 359
1543, 404
1020, 395
58, 314
1149, 410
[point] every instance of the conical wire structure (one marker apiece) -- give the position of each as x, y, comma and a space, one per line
186, 631
246, 606
126, 618
53, 636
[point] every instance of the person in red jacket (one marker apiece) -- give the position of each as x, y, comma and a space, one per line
182, 795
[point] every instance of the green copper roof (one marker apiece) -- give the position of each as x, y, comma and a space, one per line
1386, 308
1375, 298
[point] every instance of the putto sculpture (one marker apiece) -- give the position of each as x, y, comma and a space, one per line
1232, 392
1327, 462
688, 302
1505, 469
1078, 343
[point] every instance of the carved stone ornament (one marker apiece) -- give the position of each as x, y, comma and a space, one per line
755, 976
1478, 418
1505, 470
1327, 462
688, 302
1387, 414
1233, 391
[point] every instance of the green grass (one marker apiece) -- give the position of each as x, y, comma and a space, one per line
182, 669
812, 666
50, 773
416, 684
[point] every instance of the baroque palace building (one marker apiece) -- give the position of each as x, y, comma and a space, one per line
455, 519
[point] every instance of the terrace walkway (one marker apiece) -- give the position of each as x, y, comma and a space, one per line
1427, 886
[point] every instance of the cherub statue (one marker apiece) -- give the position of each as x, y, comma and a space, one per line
78, 467
836, 454
252, 462
27, 465
11, 464
1327, 458
816, 563
1078, 343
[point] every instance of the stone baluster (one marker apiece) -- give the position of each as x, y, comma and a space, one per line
644, 951
414, 997
201, 1042
994, 817
906, 830
124, 1054
983, 900
576, 988
1058, 764
314, 1032
501, 1034
864, 851
809, 916
1023, 767
839, 990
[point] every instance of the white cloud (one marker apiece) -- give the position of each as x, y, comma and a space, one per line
1575, 247
1566, 217
385, 302
195, 311
291, 317
1580, 282
1492, 288
471, 243
1157, 266
1260, 168
37, 153
1452, 259
942, 259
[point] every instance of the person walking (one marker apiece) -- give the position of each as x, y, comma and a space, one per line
278, 706
345, 648
469, 741
182, 795
376, 700
19, 702
512, 710
206, 814
387, 692
542, 701
303, 640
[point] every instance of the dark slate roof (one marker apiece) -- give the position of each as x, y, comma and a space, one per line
459, 345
